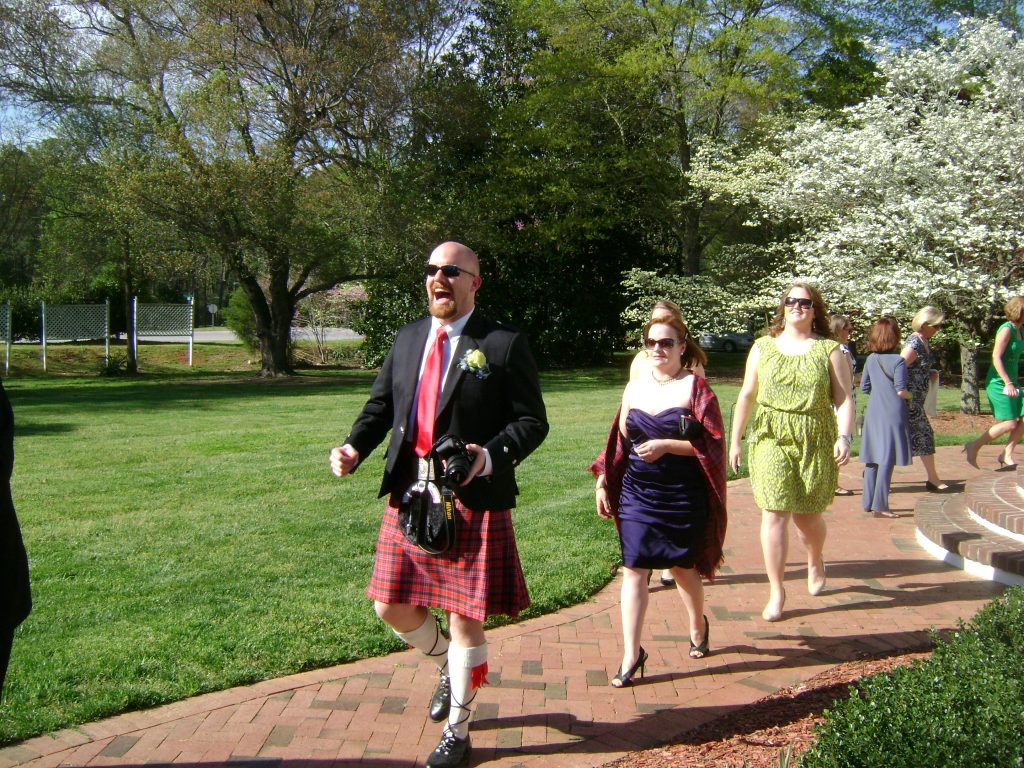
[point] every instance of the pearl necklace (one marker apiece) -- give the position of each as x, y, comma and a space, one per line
663, 382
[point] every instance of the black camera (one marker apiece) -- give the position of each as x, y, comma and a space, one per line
458, 460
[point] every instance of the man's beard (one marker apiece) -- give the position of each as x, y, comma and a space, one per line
443, 311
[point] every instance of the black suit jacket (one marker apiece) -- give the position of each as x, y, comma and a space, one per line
15, 596
503, 412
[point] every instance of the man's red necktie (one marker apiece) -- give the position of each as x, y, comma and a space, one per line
430, 385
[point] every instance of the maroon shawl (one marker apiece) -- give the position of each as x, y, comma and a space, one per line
709, 447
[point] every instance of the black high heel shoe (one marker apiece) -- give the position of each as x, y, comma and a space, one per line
1004, 465
622, 679
702, 650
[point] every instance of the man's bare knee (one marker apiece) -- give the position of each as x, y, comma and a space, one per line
466, 632
400, 617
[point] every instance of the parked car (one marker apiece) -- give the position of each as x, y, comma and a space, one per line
727, 341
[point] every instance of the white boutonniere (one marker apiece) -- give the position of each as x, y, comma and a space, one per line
474, 362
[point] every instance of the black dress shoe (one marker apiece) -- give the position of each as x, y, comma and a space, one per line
441, 701
452, 752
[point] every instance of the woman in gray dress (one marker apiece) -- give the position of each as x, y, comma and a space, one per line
886, 439
920, 360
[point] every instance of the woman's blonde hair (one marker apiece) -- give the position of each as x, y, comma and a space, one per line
839, 322
928, 315
1014, 309
692, 353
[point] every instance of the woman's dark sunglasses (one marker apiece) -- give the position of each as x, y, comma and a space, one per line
448, 270
792, 301
659, 343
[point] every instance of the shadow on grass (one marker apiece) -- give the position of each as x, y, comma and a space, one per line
35, 430
175, 392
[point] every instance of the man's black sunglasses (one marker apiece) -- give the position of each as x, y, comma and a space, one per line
448, 270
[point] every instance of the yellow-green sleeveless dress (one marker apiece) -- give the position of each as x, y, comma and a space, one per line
794, 431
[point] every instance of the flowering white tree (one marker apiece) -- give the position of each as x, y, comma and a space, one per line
915, 196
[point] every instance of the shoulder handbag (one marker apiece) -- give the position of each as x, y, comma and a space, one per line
426, 515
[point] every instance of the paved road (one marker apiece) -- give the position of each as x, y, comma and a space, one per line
221, 334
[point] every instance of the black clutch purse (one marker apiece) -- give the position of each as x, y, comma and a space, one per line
689, 427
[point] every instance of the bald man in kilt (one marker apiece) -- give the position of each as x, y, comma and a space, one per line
457, 373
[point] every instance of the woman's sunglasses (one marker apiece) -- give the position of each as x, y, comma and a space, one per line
659, 343
448, 270
792, 301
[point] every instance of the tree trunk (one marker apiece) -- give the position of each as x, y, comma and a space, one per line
969, 398
274, 357
273, 321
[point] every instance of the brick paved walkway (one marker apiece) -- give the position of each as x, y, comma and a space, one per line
550, 703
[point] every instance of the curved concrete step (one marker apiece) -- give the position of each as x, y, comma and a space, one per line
946, 530
996, 500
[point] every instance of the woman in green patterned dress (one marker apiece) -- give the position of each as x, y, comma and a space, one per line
795, 375
1003, 389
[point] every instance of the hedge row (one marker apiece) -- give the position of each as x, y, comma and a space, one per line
964, 706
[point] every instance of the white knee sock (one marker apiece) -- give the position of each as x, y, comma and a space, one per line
467, 670
428, 639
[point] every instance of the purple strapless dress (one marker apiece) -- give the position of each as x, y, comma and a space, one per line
663, 506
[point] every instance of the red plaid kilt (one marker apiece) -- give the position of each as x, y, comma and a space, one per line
480, 576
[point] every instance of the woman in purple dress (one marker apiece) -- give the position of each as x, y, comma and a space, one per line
886, 439
669, 497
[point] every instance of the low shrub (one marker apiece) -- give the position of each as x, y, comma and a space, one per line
962, 707
114, 365
1000, 625
239, 317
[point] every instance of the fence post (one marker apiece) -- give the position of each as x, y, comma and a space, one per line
134, 340
191, 326
106, 337
7, 337
42, 335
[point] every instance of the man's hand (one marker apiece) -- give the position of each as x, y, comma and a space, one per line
344, 460
479, 462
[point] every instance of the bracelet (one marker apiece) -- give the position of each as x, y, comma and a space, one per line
847, 438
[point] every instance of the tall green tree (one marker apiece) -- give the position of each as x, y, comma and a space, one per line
914, 196
21, 210
96, 241
239, 104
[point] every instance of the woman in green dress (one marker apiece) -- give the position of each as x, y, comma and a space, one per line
1003, 388
795, 375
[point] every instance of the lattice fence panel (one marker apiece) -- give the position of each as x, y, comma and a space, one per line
75, 322
5, 333
164, 320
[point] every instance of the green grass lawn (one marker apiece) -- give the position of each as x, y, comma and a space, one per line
185, 533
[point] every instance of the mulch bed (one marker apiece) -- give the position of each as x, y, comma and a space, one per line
753, 736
